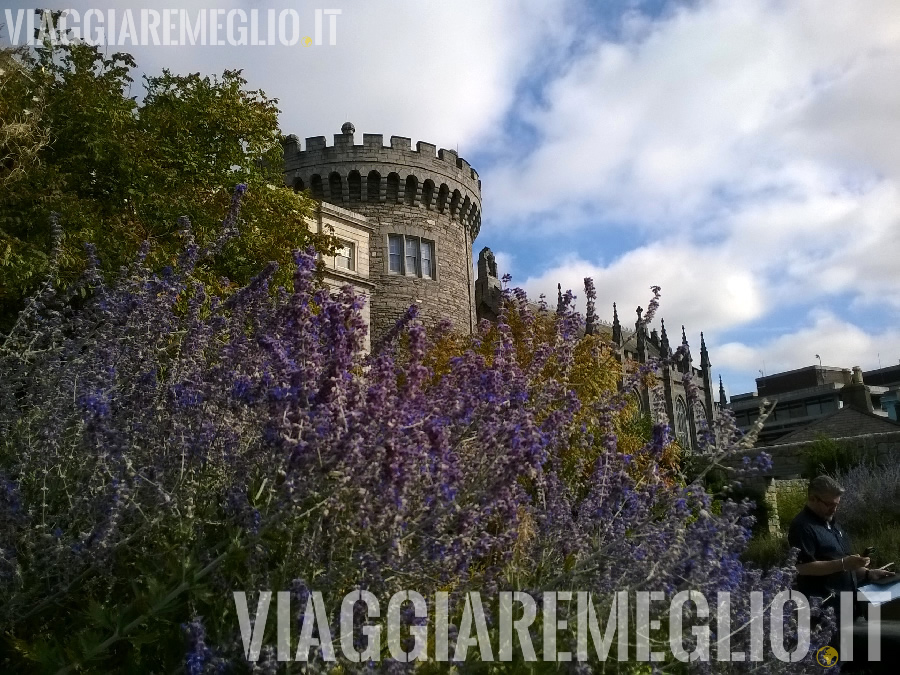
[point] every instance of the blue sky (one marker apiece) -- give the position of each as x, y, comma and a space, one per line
742, 154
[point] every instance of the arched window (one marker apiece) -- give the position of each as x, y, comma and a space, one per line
373, 187
682, 430
428, 193
640, 405
443, 195
335, 186
454, 203
299, 185
393, 188
412, 185
354, 182
700, 421
699, 415
315, 184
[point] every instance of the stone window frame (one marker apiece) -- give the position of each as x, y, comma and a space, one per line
419, 235
351, 259
700, 414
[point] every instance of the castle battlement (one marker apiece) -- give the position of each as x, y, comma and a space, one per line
424, 176
343, 148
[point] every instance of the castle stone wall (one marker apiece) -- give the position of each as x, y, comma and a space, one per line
448, 296
788, 459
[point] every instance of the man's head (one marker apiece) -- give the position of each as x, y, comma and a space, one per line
823, 496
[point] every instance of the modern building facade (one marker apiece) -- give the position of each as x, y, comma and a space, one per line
889, 400
801, 396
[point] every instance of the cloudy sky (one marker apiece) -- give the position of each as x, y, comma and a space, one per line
742, 154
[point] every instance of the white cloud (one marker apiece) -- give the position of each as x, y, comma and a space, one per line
700, 288
655, 128
440, 72
444, 73
824, 242
838, 342
751, 146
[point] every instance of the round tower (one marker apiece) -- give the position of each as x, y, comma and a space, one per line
425, 208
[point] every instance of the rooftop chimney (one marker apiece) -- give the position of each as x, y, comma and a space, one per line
856, 394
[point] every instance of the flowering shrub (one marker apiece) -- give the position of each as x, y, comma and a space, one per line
162, 449
871, 497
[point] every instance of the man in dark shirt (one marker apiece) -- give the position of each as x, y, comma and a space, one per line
826, 564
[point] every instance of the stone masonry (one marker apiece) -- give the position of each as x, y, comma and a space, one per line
788, 459
419, 193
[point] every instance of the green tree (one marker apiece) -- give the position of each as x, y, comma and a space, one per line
21, 134
120, 172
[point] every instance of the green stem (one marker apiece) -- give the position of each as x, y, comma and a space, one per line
120, 633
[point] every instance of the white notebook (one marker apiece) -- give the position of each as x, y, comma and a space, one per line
878, 594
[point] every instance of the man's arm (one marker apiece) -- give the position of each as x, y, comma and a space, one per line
867, 576
803, 538
820, 568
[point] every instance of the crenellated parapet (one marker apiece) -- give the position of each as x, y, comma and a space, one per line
346, 174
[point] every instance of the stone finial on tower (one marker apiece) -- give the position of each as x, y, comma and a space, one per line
664, 348
704, 354
641, 335
488, 291
686, 362
487, 264
559, 299
590, 316
723, 401
348, 129
616, 327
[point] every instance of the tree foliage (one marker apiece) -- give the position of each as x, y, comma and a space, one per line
22, 136
75, 140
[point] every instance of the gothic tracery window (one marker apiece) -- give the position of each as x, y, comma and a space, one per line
682, 430
701, 422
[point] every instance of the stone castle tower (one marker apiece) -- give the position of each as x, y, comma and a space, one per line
408, 219
423, 211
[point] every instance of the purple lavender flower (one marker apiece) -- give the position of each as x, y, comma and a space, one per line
249, 437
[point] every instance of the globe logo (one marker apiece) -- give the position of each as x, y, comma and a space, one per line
827, 657
307, 41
